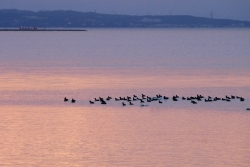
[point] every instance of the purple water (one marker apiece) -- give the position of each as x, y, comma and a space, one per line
39, 69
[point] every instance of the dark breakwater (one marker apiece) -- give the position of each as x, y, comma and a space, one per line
42, 30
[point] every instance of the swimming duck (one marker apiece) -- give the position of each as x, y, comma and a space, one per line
174, 98
242, 99
208, 100
65, 99
103, 102
194, 102
165, 98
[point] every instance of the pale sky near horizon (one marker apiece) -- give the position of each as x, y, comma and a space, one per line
223, 9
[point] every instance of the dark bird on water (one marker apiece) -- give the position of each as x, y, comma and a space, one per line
208, 100
65, 99
194, 102
176, 96
135, 98
216, 98
174, 99
165, 98
103, 102
91, 102
73, 101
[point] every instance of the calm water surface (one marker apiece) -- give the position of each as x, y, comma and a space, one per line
38, 69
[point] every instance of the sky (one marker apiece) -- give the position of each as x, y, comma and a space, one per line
222, 9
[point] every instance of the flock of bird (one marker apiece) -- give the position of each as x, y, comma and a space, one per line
145, 100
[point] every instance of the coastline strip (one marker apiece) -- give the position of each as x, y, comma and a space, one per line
42, 30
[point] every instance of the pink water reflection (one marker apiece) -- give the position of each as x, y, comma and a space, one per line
39, 129
111, 78
83, 136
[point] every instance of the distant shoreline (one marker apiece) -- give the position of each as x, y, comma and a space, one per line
72, 19
75, 29
9, 29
